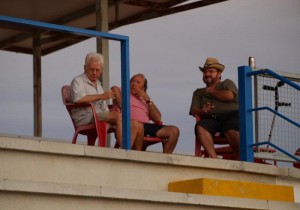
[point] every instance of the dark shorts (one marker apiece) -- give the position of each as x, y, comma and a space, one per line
150, 129
220, 122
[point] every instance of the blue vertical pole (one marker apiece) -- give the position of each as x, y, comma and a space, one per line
245, 115
125, 94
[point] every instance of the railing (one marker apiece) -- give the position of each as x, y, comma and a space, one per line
124, 40
247, 110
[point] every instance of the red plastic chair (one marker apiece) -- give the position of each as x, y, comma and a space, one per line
93, 130
297, 164
148, 141
226, 152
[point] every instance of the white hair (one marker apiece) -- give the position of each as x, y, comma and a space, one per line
95, 56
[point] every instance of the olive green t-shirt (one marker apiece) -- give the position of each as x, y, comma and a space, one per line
200, 97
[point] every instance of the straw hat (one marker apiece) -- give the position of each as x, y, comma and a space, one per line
212, 63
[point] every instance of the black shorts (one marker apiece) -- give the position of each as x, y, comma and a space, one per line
150, 129
220, 122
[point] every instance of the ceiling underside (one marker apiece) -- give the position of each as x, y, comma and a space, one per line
80, 14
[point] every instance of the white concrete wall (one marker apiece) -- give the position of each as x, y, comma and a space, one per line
40, 165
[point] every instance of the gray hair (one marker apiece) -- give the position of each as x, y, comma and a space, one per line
95, 56
145, 80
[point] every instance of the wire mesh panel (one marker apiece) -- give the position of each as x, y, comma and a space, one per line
273, 93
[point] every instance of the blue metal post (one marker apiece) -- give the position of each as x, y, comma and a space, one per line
90, 33
245, 115
61, 28
125, 94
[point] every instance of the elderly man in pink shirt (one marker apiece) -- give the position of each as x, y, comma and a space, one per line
143, 109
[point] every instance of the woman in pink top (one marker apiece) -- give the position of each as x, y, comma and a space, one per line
143, 109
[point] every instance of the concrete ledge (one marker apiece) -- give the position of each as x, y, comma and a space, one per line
179, 200
39, 160
218, 187
42, 145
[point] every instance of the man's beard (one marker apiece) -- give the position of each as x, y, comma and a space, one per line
209, 80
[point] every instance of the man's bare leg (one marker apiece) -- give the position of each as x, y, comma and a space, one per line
233, 137
139, 138
171, 133
206, 140
116, 119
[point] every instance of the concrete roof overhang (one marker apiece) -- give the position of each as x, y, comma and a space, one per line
99, 15
80, 14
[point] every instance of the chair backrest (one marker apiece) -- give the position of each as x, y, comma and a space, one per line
66, 94
226, 151
93, 130
66, 98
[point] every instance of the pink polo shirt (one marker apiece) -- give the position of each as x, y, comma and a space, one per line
139, 109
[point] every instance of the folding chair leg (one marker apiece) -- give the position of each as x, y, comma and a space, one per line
102, 133
91, 140
74, 138
144, 148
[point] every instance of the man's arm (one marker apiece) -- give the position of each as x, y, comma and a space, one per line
195, 111
154, 112
199, 111
223, 95
80, 95
118, 97
90, 98
227, 92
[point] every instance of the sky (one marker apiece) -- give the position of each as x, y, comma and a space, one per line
168, 51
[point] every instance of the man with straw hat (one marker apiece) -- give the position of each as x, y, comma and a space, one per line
217, 105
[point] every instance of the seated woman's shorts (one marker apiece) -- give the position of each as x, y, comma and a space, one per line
150, 129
